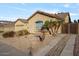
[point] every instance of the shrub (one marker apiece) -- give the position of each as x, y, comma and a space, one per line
22, 32
1, 31
19, 33
25, 32
9, 34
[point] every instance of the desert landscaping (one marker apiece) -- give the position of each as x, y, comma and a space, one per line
27, 30
61, 45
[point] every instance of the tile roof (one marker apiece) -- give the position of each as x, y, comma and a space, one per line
23, 20
60, 16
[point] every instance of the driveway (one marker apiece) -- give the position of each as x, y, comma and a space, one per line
7, 50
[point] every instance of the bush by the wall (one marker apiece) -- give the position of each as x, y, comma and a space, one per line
19, 33
8, 34
12, 33
22, 32
25, 32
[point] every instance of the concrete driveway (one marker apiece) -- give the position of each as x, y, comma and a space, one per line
7, 50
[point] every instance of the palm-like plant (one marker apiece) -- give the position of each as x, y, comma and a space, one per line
54, 23
59, 23
46, 26
52, 26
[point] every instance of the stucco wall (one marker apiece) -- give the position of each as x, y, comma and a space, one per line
38, 17
67, 19
9, 28
1, 28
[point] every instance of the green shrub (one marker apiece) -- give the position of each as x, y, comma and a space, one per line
22, 32
25, 32
9, 34
19, 33
1, 31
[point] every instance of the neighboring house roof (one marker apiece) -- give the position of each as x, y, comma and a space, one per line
63, 15
23, 20
6, 23
60, 16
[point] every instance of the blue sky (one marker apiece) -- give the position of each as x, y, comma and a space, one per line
12, 11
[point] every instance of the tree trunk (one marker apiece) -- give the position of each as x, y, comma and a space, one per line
52, 31
49, 31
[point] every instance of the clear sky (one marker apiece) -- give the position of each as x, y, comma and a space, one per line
12, 11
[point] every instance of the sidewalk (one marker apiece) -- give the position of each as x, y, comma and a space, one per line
68, 50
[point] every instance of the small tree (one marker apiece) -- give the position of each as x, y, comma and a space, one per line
50, 26
75, 21
46, 26
53, 26
59, 23
78, 20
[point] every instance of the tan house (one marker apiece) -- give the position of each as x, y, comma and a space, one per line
20, 24
34, 23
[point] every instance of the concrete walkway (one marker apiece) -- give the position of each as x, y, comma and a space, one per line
43, 51
57, 49
7, 50
68, 50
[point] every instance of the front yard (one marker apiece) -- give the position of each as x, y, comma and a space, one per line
32, 43
27, 42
